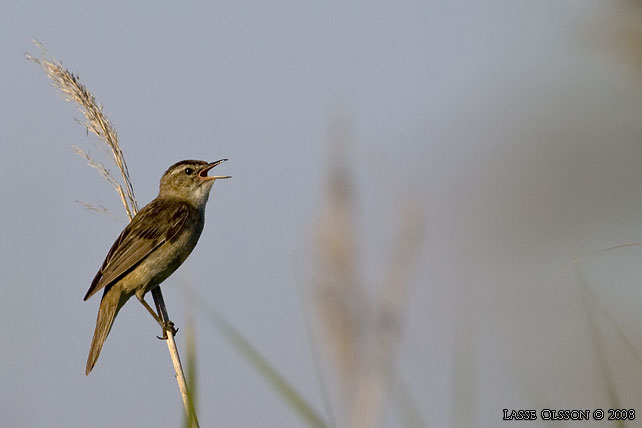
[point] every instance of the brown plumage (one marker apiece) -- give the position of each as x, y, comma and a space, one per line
151, 247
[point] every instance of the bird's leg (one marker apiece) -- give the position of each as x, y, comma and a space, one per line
151, 311
168, 325
165, 325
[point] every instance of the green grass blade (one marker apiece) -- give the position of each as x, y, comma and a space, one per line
293, 398
191, 375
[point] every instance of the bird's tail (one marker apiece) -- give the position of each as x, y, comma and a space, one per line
110, 304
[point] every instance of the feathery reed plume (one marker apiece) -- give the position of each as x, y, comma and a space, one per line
101, 210
360, 334
97, 123
102, 170
339, 300
377, 365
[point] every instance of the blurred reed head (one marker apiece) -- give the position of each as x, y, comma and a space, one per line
358, 333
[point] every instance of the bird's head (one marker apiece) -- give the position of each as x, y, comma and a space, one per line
188, 180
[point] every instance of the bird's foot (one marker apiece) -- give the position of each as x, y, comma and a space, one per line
168, 327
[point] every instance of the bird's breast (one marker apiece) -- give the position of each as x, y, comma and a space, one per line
163, 261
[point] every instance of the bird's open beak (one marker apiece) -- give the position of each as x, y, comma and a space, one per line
205, 177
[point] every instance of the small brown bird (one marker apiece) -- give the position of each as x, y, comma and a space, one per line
153, 245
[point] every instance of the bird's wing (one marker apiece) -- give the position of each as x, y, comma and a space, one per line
155, 224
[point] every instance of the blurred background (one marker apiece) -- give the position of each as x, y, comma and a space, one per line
411, 181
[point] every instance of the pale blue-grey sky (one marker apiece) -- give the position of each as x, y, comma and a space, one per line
515, 127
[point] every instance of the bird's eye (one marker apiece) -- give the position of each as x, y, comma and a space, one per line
189, 171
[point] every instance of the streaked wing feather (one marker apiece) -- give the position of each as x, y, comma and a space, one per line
146, 232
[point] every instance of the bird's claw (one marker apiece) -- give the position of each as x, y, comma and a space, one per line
169, 326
